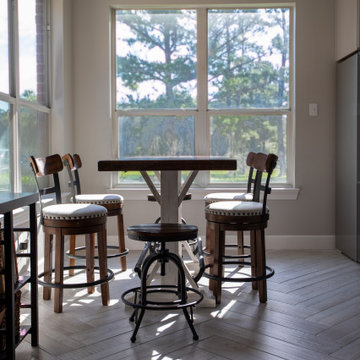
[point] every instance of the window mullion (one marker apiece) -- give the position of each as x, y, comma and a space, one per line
14, 91
202, 131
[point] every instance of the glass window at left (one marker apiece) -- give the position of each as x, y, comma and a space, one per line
24, 84
4, 47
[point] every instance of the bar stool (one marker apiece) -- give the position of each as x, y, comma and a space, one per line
250, 216
69, 219
191, 245
248, 195
112, 202
162, 233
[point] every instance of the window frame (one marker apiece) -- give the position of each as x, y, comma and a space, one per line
13, 98
203, 114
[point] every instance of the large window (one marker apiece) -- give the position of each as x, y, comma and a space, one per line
24, 99
204, 81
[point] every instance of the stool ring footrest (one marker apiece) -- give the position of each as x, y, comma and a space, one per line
269, 273
108, 277
80, 248
161, 305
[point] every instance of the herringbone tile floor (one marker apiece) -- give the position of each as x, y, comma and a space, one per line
313, 312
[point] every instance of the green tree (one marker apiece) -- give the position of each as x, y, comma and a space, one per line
175, 65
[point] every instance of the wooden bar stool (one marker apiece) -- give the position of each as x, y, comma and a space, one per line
69, 219
112, 202
250, 216
162, 233
247, 195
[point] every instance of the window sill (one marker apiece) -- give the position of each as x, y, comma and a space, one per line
134, 193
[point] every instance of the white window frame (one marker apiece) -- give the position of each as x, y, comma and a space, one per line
13, 98
202, 114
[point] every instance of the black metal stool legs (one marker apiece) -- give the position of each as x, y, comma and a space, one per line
142, 302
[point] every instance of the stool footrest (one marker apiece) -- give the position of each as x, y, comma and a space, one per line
161, 305
80, 248
269, 273
108, 277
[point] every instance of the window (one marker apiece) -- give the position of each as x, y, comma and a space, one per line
204, 81
24, 87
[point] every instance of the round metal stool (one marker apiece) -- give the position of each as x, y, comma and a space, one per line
162, 233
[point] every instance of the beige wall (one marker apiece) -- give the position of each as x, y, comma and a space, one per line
305, 222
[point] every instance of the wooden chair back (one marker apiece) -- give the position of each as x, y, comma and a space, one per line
263, 164
72, 164
47, 166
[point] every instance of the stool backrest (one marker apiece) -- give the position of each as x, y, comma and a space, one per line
73, 163
251, 179
263, 164
47, 166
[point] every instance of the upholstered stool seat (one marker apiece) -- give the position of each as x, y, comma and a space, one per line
236, 208
162, 233
73, 212
100, 199
231, 196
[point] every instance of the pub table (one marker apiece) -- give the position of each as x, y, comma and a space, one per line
172, 191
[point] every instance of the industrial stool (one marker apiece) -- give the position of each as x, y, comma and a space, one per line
161, 233
191, 245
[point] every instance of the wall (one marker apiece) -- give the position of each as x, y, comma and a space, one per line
305, 222
347, 27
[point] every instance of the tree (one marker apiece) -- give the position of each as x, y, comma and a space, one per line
247, 69
172, 62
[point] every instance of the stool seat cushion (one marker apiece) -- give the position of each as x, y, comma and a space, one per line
73, 211
236, 208
222, 196
162, 232
99, 199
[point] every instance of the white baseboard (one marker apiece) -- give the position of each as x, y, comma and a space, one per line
273, 242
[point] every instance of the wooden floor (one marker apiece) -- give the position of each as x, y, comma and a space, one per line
313, 312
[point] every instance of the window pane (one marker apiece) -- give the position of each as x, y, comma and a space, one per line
248, 58
236, 136
155, 136
32, 51
156, 59
4, 47
5, 135
34, 140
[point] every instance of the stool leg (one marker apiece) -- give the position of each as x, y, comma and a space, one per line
218, 269
47, 265
72, 246
210, 250
90, 250
240, 242
182, 291
105, 295
121, 237
261, 264
59, 271
138, 322
254, 259
195, 335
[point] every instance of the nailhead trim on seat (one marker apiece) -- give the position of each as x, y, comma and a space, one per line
228, 196
73, 211
236, 208
99, 199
